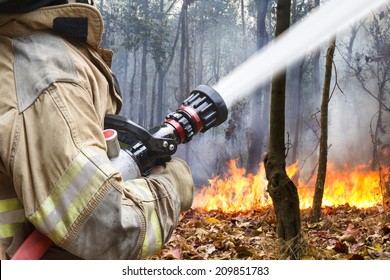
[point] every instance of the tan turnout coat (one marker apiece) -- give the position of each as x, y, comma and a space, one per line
55, 90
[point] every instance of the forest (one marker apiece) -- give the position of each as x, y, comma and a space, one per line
302, 162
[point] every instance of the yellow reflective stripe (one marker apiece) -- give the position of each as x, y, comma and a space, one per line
71, 194
155, 226
10, 204
153, 238
50, 203
8, 230
77, 206
11, 216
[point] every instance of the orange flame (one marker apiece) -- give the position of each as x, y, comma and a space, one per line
237, 192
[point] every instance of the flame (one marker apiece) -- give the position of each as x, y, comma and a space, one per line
237, 192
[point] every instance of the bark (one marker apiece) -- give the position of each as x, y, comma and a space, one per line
323, 156
281, 189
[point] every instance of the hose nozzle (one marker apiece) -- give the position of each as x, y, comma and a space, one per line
203, 109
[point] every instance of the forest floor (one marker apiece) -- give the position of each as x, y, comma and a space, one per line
343, 233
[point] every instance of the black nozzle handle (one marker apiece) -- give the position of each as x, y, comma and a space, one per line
121, 124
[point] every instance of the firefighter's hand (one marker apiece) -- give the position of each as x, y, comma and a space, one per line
179, 174
158, 169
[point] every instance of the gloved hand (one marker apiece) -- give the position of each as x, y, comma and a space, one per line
179, 174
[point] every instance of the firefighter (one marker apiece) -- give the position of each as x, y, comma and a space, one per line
55, 176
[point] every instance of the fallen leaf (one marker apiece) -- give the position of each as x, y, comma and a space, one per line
211, 220
173, 254
356, 257
349, 238
340, 247
352, 230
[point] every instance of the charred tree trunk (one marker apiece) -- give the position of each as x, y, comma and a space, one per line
281, 189
323, 156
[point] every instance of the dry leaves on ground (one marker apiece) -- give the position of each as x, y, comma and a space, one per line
343, 233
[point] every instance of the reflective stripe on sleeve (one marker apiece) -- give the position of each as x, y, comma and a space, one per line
71, 194
153, 238
11, 216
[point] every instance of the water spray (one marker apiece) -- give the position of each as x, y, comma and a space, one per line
202, 110
291, 46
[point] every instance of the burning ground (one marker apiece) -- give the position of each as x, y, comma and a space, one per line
233, 218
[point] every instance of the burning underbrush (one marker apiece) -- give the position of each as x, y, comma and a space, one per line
237, 191
233, 218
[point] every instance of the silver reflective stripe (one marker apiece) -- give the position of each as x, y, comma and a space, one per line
72, 193
40, 60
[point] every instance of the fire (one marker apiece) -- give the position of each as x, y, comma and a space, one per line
237, 191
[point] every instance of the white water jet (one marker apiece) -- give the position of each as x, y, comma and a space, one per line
292, 45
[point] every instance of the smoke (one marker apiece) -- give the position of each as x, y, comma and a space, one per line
350, 115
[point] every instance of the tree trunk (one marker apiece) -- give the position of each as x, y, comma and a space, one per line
281, 189
143, 87
323, 156
162, 74
132, 86
257, 103
243, 22
296, 77
316, 63
298, 115
142, 113
183, 51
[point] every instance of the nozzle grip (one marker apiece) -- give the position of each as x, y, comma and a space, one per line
125, 126
146, 149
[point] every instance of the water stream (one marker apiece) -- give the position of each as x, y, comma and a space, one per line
290, 47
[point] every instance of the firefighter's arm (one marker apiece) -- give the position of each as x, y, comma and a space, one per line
71, 191
143, 222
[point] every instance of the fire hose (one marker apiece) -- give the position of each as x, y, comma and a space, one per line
199, 112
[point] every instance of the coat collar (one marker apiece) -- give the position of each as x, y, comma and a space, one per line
44, 18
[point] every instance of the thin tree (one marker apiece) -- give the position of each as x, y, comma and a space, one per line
142, 117
184, 52
316, 60
256, 133
323, 156
282, 190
